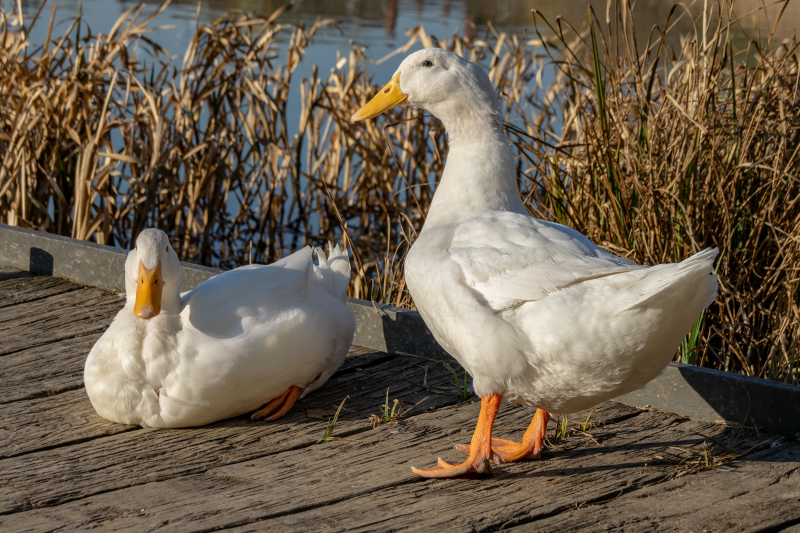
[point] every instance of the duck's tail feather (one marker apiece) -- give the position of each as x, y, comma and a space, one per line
691, 279
703, 262
334, 269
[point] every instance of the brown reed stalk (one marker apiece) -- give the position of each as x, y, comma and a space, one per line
653, 146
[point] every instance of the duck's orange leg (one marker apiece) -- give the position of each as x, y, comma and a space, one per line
529, 448
480, 452
279, 406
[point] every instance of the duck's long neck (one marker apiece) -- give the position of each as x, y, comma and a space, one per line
479, 175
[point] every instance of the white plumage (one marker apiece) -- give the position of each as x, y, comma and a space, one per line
225, 348
533, 310
537, 313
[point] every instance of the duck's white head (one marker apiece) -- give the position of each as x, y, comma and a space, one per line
458, 92
150, 266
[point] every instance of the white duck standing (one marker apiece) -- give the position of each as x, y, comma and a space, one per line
533, 310
252, 336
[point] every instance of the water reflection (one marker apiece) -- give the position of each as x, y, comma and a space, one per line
381, 24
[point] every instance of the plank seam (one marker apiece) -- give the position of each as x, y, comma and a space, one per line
369, 364
780, 527
371, 490
69, 290
608, 498
54, 341
311, 507
44, 394
199, 471
68, 443
209, 471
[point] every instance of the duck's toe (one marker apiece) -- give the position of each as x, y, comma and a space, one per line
504, 445
279, 406
446, 469
506, 451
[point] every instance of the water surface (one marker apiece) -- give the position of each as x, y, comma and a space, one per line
380, 26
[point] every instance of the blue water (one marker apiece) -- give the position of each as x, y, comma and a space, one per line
378, 26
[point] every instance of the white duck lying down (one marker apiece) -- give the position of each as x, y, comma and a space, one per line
252, 336
533, 310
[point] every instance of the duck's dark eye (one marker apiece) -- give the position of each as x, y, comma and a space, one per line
427, 63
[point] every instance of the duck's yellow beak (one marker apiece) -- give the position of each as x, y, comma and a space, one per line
148, 291
389, 97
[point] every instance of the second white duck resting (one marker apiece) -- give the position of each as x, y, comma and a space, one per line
533, 310
252, 336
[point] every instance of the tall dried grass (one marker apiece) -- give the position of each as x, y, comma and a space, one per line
652, 149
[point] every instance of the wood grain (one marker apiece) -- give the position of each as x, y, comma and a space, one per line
62, 316
64, 468
21, 287
366, 483
126, 456
45, 370
758, 493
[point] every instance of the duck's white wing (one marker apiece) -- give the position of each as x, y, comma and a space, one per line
511, 258
219, 306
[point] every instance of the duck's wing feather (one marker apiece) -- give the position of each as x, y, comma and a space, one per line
511, 258
218, 306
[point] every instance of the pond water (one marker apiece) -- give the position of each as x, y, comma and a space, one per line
381, 25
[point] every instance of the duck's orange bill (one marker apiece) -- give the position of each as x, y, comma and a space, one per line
148, 291
389, 97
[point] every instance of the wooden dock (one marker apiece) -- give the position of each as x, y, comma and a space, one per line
64, 468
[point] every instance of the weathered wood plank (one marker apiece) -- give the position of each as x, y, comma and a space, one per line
45, 370
24, 287
518, 492
44, 423
131, 458
757, 493
65, 467
365, 483
63, 316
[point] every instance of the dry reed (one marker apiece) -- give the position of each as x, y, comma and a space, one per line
653, 150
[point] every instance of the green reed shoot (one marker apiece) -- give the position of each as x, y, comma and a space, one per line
332, 423
389, 414
586, 424
690, 344
561, 427
462, 386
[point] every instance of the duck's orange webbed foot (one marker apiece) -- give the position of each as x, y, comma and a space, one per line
279, 406
507, 451
480, 450
446, 469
